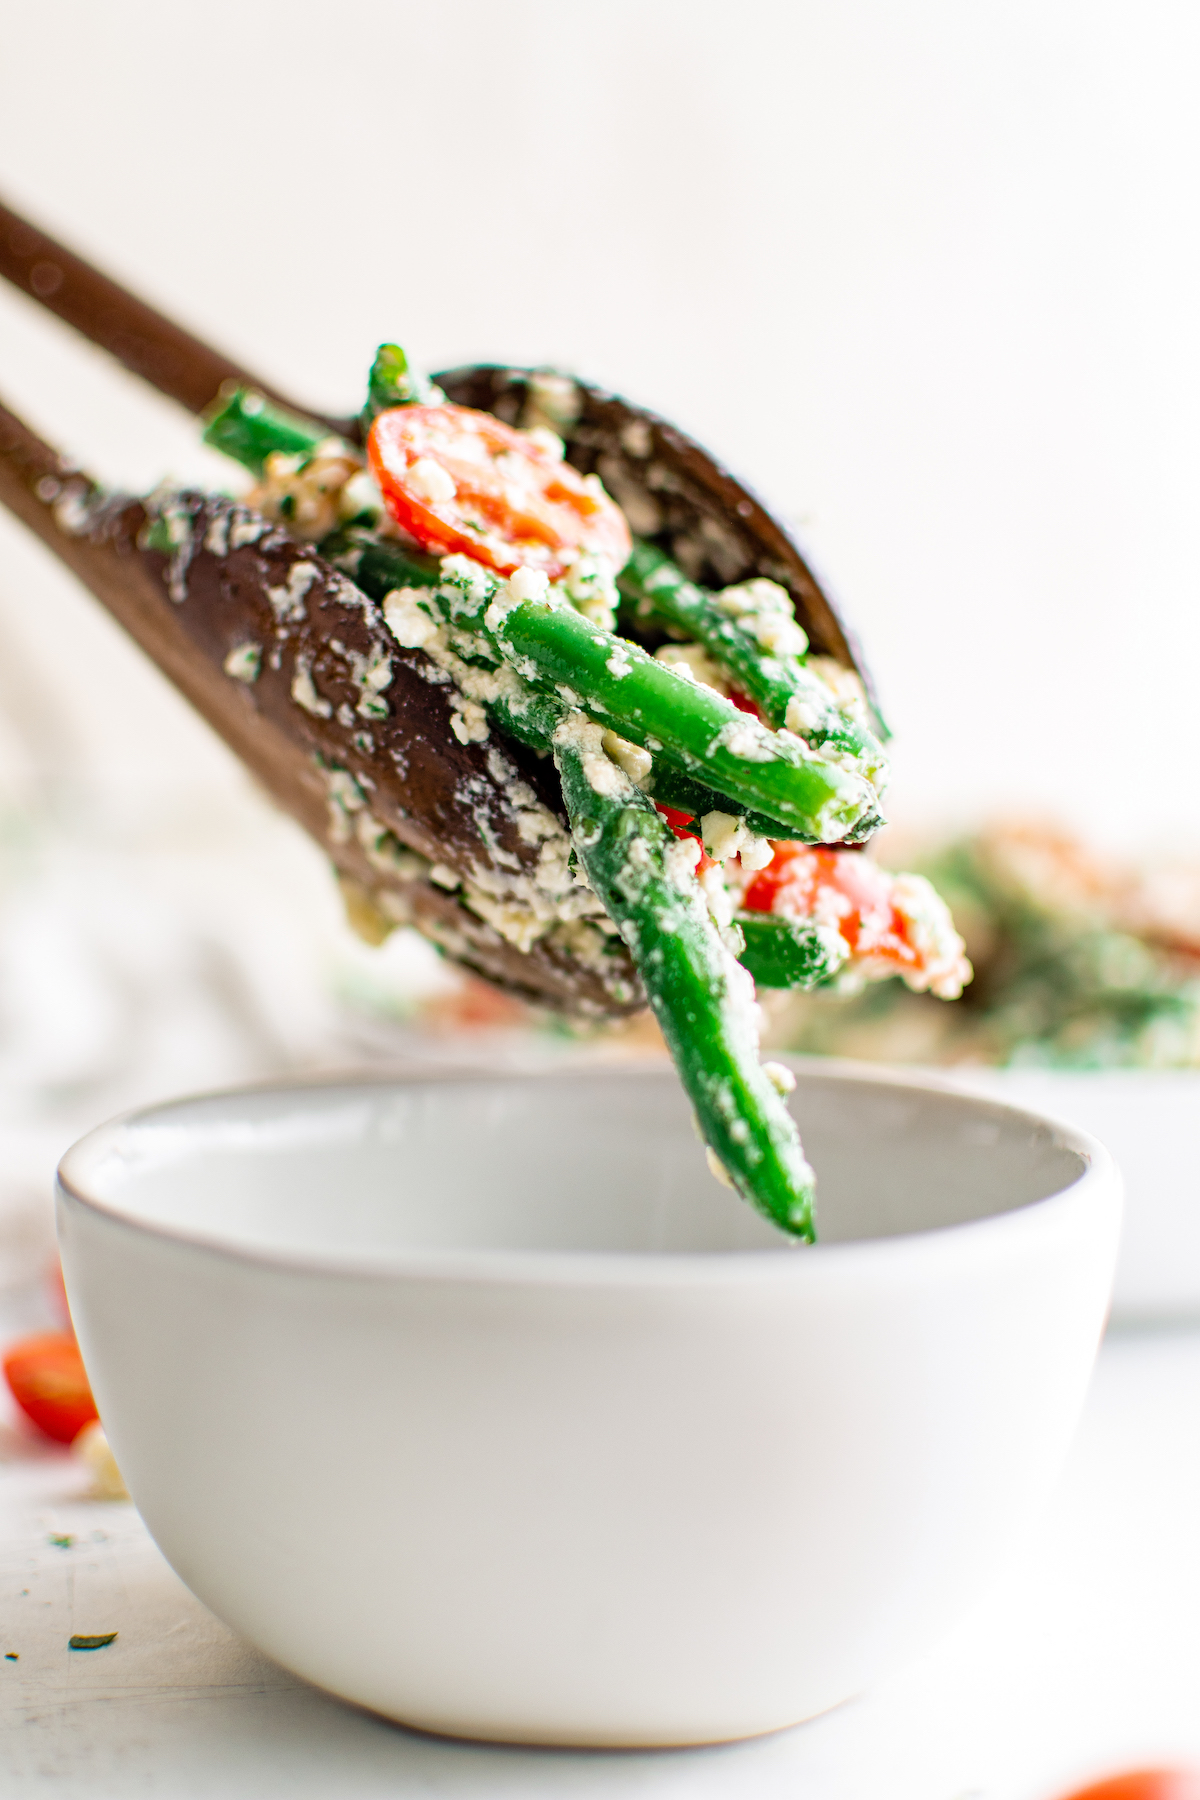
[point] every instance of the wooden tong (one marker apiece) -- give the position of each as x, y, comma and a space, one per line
415, 822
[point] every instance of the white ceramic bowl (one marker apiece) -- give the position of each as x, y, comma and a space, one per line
479, 1403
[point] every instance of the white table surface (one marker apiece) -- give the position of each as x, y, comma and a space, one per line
1085, 1659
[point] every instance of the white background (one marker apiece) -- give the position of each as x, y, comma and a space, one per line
928, 275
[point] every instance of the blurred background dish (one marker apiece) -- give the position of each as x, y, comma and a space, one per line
1085, 1005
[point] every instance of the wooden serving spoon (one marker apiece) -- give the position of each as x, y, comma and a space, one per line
421, 828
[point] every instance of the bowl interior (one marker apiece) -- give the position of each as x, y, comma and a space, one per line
583, 1161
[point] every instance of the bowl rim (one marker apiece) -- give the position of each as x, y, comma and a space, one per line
790, 1261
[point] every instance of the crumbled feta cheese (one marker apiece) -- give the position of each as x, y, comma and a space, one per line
345, 798
287, 601
779, 637
551, 400
307, 493
805, 713
305, 694
428, 479
528, 584
464, 570
72, 513
723, 834
245, 528
590, 585
942, 966
548, 442
385, 852
755, 853
844, 686
779, 1076
244, 662
680, 858
443, 877
407, 619
517, 925
717, 897
763, 609
636, 762
603, 775
361, 495
717, 1168
469, 723
744, 738
372, 674
693, 662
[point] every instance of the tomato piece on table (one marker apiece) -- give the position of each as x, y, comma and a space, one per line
460, 480
1145, 1784
50, 1384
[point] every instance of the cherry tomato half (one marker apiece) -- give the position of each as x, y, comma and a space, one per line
460, 480
811, 881
49, 1384
1145, 1784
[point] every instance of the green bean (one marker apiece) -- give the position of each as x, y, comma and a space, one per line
705, 737
393, 383
619, 684
692, 982
789, 953
787, 692
548, 651
378, 566
644, 880
685, 795
249, 428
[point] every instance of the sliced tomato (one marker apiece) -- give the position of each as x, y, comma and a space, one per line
1145, 1784
806, 881
50, 1384
461, 480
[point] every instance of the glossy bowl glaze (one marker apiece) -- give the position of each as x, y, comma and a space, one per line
479, 1403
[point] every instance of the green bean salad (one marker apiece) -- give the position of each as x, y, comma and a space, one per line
718, 777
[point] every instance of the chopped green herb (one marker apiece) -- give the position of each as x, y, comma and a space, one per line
97, 1642
62, 1542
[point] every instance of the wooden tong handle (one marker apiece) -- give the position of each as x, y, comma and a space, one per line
52, 499
150, 345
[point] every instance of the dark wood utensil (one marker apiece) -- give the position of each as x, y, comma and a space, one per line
408, 780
